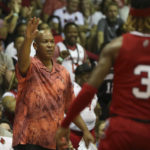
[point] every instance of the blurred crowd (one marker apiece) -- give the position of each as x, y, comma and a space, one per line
81, 28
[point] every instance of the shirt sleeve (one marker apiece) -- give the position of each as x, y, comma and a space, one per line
22, 79
101, 25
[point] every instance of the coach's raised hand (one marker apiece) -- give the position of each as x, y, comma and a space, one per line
31, 31
24, 53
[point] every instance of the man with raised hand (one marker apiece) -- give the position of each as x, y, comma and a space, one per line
44, 93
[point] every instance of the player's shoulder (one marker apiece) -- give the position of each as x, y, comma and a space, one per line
115, 43
114, 46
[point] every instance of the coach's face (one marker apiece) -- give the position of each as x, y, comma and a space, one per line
44, 44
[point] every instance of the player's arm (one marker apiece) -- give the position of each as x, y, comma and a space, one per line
24, 53
106, 61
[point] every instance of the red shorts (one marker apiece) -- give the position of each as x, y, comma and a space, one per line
125, 134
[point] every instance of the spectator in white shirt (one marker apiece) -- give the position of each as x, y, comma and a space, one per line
82, 73
69, 13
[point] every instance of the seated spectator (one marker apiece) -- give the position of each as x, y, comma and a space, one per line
19, 30
91, 18
104, 4
25, 14
5, 135
36, 6
11, 49
9, 21
12, 19
3, 25
97, 4
55, 28
9, 100
45, 26
109, 27
72, 53
69, 13
9, 97
82, 73
6, 70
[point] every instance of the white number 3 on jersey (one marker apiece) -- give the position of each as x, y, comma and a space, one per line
144, 81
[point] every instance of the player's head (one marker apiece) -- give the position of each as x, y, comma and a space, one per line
139, 16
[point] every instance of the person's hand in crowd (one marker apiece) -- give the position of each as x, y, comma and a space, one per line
62, 138
31, 31
88, 138
64, 54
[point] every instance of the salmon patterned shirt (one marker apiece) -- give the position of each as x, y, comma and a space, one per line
43, 96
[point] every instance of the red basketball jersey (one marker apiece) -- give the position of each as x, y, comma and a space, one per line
131, 91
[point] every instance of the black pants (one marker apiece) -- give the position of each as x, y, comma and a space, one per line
30, 147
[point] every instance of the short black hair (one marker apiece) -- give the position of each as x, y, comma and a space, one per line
84, 68
50, 19
140, 4
69, 24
